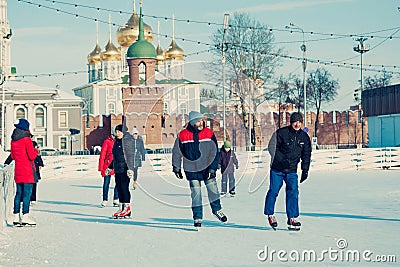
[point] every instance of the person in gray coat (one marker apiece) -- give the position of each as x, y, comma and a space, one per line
139, 154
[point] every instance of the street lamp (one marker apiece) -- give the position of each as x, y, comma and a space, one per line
361, 48
304, 64
226, 20
3, 79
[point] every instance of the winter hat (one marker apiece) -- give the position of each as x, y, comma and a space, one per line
296, 116
227, 144
134, 131
22, 124
118, 127
194, 117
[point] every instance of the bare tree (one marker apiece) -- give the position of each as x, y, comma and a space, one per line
376, 81
320, 88
283, 93
251, 60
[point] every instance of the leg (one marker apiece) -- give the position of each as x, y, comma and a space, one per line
231, 182
213, 195
197, 208
106, 186
292, 195
224, 183
275, 184
124, 194
33, 195
17, 198
118, 185
116, 197
26, 196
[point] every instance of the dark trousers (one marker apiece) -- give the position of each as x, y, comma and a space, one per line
33, 196
122, 184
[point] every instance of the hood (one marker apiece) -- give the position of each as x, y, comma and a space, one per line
19, 134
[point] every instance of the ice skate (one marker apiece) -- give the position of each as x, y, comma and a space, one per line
116, 203
197, 224
27, 221
221, 216
232, 193
17, 220
117, 215
223, 194
272, 221
126, 213
103, 203
293, 225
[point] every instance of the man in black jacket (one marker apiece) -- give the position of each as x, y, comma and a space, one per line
196, 146
287, 147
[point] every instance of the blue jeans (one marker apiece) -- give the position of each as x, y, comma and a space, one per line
24, 192
106, 186
213, 197
276, 179
224, 182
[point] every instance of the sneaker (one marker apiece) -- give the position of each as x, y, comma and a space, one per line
103, 203
232, 192
221, 216
115, 202
26, 220
272, 221
293, 224
17, 219
197, 223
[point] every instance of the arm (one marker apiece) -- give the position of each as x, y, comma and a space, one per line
30, 150
214, 164
142, 150
101, 166
177, 154
8, 160
306, 155
273, 147
234, 158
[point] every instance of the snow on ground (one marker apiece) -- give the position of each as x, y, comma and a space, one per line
360, 209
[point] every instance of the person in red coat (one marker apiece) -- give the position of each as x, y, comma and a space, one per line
106, 157
24, 154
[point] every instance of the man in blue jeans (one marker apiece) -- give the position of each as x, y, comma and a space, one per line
197, 147
288, 145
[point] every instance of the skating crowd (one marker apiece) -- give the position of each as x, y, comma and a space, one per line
195, 154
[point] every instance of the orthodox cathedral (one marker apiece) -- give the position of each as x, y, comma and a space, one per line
139, 82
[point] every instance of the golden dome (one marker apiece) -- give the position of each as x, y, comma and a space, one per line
128, 33
160, 54
111, 53
94, 56
174, 52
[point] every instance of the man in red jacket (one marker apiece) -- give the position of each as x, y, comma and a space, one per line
24, 154
106, 157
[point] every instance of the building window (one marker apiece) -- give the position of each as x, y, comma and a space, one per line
62, 119
63, 143
39, 114
111, 92
111, 108
20, 113
40, 141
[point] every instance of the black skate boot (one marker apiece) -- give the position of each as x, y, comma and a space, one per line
197, 224
221, 216
272, 221
293, 225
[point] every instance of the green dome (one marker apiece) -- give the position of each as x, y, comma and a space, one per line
141, 49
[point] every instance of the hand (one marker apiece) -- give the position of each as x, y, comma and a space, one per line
237, 167
212, 174
219, 166
177, 172
129, 173
304, 175
107, 171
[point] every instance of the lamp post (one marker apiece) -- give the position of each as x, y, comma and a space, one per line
304, 64
361, 48
226, 20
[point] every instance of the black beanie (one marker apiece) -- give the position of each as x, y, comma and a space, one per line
296, 116
118, 127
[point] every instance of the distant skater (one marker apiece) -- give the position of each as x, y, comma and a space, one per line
228, 162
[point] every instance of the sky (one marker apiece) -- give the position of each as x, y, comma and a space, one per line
72, 229
48, 42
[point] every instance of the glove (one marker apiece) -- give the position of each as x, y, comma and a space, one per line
237, 167
212, 174
219, 166
129, 173
177, 172
107, 171
304, 175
